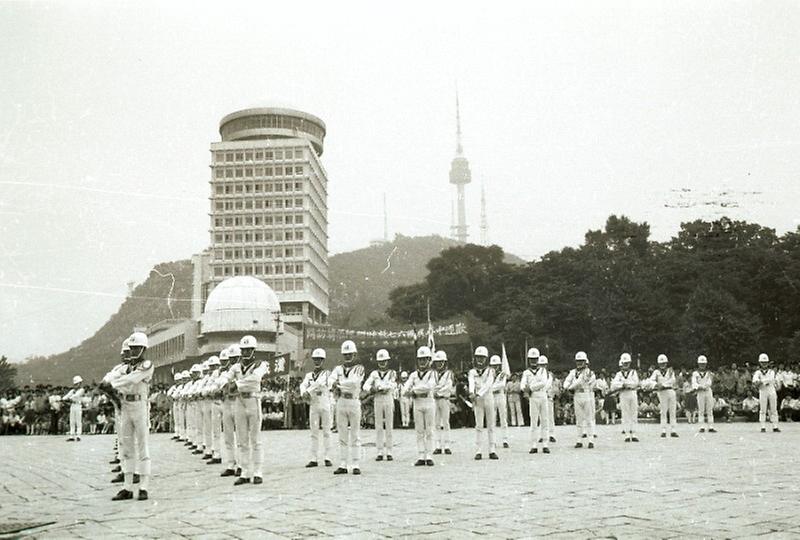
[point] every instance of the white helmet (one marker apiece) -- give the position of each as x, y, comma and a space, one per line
495, 360
196, 368
138, 339
77, 379
185, 374
125, 346
621, 361
702, 359
404, 375
533, 352
481, 351
318, 353
177, 376
248, 342
382, 355
234, 351
440, 356
763, 358
580, 355
348, 347
213, 361
662, 359
542, 361
204, 365
424, 352
223, 355
624, 357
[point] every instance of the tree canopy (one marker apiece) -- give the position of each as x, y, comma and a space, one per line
727, 289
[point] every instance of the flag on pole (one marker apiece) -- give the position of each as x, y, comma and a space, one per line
504, 360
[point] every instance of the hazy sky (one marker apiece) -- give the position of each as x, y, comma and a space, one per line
569, 114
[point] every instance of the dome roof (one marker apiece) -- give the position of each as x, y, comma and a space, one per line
242, 293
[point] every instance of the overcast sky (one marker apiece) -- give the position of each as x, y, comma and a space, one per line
569, 114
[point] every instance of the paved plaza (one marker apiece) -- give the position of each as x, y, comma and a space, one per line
735, 483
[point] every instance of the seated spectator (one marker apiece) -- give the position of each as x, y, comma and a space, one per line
722, 409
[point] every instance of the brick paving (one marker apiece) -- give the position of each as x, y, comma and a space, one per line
735, 483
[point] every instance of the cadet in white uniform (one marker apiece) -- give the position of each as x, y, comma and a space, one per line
75, 399
247, 377
106, 388
213, 395
445, 386
538, 384
228, 358
188, 395
499, 391
663, 381
405, 402
314, 388
345, 382
176, 430
382, 382
702, 380
420, 385
765, 380
480, 380
133, 387
626, 381
581, 381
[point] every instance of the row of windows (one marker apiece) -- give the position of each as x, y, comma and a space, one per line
258, 236
272, 121
278, 285
277, 219
250, 255
257, 204
258, 187
263, 252
258, 155
168, 350
250, 172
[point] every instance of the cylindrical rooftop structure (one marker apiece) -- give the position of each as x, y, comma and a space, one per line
273, 123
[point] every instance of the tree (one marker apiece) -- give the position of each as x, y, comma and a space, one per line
8, 375
717, 325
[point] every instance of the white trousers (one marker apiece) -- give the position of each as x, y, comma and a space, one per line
515, 410
501, 410
248, 432
405, 411
319, 420
668, 405
206, 425
484, 411
551, 415
584, 413
384, 422
216, 429
424, 414
348, 423
768, 401
442, 423
539, 410
75, 419
629, 406
705, 406
229, 432
133, 439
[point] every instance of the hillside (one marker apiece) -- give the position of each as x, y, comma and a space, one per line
95, 355
362, 279
360, 284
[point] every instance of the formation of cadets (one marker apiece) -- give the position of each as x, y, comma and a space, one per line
217, 406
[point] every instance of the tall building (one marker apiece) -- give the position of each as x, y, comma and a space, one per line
460, 175
269, 212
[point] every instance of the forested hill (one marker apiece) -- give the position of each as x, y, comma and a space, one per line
95, 355
361, 280
360, 284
